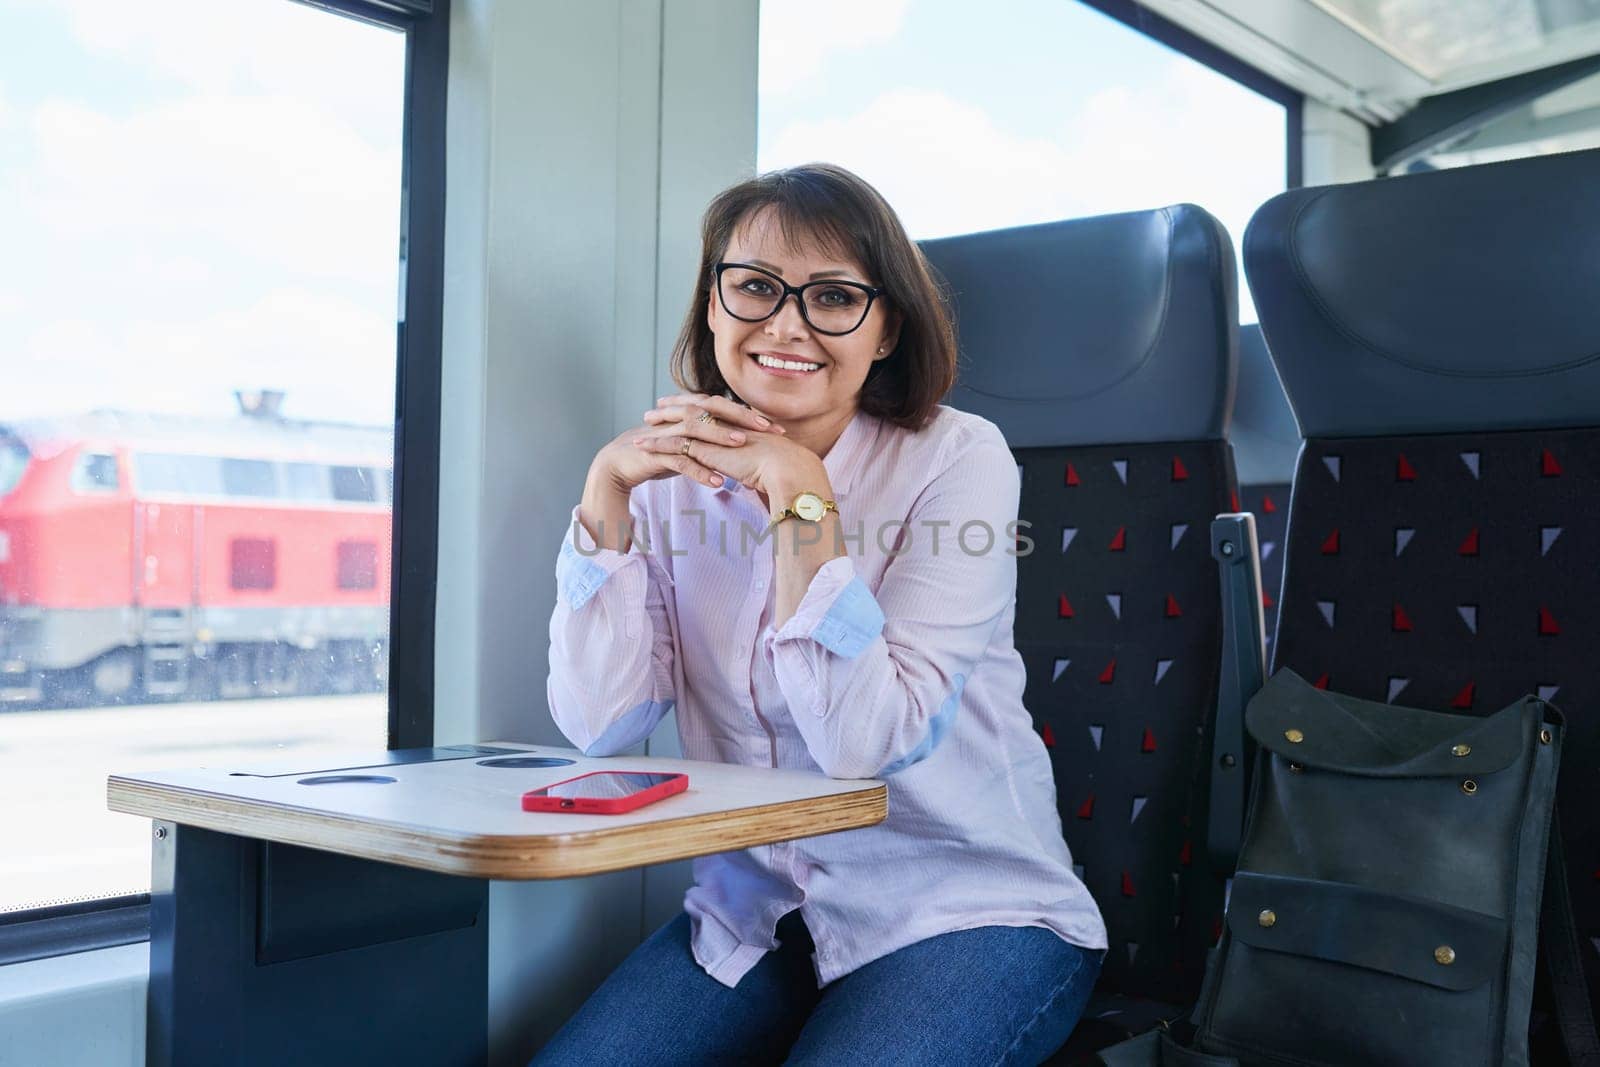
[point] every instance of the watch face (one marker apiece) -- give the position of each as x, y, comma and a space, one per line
809, 506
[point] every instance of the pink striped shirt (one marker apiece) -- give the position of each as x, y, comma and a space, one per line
898, 663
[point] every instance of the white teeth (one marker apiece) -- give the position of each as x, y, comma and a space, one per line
785, 364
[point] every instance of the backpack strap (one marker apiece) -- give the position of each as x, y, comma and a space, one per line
1559, 934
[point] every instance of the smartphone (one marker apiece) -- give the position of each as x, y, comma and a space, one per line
605, 792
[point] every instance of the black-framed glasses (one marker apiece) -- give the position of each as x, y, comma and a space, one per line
830, 306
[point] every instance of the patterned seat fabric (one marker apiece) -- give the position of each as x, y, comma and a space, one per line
1118, 622
1457, 572
1092, 344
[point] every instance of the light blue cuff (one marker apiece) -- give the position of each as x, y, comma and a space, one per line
936, 731
853, 620
577, 577
636, 724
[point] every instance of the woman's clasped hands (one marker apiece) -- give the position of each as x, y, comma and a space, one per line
699, 435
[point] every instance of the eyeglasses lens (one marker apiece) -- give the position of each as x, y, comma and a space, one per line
830, 307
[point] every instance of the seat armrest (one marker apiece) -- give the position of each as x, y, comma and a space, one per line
1244, 667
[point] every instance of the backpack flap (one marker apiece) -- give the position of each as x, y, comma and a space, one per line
1334, 732
1408, 937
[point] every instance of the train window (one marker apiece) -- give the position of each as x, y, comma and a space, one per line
355, 484
249, 477
13, 461
357, 565
1054, 111
95, 472
252, 563
306, 481
206, 218
172, 474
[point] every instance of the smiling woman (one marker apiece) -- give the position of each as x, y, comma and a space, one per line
804, 225
847, 640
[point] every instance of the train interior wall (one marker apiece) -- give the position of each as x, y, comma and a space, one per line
571, 235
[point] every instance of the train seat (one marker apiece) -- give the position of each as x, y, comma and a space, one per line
1105, 350
1265, 440
1439, 340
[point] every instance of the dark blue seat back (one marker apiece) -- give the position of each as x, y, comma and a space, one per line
1439, 340
1105, 349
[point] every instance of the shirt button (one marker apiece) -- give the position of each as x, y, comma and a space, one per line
760, 585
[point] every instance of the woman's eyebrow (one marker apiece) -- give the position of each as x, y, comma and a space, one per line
835, 273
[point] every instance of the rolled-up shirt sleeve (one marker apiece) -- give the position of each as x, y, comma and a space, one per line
610, 682
874, 682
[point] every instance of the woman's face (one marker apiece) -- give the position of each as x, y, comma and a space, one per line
840, 363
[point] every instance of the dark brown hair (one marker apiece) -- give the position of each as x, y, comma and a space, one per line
846, 216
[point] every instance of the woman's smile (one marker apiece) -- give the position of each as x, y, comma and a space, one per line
785, 365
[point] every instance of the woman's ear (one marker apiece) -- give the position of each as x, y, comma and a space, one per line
891, 336
711, 308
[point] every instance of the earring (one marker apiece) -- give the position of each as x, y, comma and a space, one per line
882, 349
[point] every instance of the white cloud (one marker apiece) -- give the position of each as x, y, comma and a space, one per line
792, 49
246, 46
312, 345
273, 178
942, 163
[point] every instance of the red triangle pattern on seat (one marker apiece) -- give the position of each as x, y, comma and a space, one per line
1123, 726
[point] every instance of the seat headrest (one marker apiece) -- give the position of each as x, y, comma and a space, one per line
1112, 330
1443, 302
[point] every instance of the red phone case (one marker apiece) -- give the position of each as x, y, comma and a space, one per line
534, 801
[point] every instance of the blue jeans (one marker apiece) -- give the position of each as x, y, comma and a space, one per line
992, 995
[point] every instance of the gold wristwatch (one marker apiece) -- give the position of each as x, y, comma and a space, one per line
806, 505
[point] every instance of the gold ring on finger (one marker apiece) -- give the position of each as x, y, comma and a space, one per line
684, 451
707, 418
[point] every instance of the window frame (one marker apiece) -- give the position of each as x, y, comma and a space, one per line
1164, 31
81, 926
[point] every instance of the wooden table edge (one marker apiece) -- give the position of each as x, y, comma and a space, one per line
521, 858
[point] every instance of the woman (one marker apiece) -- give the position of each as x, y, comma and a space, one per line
827, 582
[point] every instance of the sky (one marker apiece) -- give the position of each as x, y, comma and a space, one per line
198, 197
1043, 110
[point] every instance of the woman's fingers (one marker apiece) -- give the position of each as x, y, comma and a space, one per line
668, 451
687, 421
720, 406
